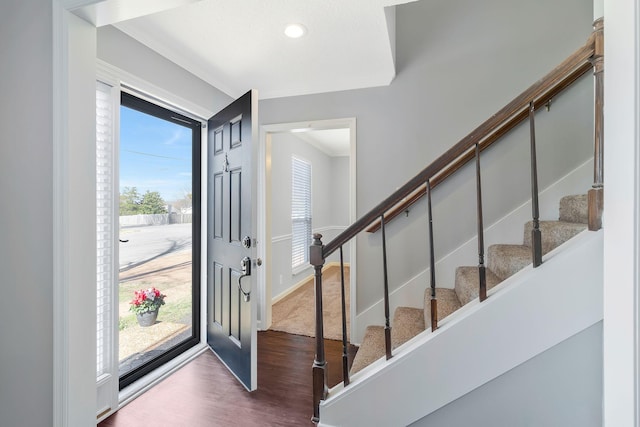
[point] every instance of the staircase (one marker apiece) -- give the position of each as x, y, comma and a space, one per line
476, 351
522, 318
504, 261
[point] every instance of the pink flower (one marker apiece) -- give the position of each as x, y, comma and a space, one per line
145, 300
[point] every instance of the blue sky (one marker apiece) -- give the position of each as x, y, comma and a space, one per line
155, 155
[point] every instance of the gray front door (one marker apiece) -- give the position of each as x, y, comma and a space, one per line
231, 228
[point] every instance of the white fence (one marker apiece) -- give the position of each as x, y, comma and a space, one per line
156, 219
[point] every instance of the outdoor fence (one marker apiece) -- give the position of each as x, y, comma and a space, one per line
155, 219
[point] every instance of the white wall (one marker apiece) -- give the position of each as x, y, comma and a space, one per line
558, 388
121, 51
458, 62
48, 167
622, 212
26, 259
330, 202
340, 190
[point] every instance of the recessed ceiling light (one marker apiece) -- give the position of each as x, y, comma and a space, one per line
295, 31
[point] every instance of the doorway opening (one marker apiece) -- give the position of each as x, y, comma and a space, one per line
330, 147
159, 249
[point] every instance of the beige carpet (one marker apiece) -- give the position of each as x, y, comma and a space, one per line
295, 313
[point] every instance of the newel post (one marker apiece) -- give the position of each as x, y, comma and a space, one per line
596, 193
319, 364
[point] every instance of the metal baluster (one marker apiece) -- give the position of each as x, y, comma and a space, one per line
434, 302
345, 350
387, 325
320, 388
536, 236
482, 274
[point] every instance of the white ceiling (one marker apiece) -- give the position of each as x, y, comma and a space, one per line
237, 45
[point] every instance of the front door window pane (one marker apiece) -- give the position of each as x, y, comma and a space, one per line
156, 230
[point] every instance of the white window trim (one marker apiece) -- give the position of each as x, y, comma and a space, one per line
107, 383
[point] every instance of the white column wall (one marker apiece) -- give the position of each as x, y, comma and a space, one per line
75, 229
26, 259
621, 220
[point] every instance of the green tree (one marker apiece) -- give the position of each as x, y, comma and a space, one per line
130, 201
133, 203
152, 203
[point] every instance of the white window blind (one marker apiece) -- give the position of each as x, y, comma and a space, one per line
105, 223
300, 212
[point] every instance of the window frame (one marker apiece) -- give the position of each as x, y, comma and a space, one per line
135, 102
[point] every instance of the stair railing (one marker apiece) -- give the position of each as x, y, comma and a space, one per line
432, 264
536, 235
587, 57
482, 272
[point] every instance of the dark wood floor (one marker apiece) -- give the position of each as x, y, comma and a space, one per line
204, 393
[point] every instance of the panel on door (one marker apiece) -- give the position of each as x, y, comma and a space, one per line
231, 307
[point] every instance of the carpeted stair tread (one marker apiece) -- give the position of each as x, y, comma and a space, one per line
407, 323
554, 233
371, 349
574, 208
468, 283
448, 302
506, 260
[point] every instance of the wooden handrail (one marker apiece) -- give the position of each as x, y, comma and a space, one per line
484, 144
497, 125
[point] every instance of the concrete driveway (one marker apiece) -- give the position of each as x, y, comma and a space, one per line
147, 243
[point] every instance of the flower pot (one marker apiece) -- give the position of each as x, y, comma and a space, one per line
148, 318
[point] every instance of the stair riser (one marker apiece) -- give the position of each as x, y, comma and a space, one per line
553, 233
507, 260
574, 208
467, 284
447, 301
407, 323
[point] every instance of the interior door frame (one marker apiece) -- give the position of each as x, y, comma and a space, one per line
264, 207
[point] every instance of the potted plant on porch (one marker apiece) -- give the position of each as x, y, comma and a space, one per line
145, 304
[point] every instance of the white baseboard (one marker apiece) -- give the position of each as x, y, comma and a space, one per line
508, 229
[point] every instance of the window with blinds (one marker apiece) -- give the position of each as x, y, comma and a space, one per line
105, 219
300, 212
